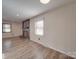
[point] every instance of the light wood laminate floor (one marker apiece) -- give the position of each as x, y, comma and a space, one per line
18, 48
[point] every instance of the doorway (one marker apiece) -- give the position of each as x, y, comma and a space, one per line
26, 29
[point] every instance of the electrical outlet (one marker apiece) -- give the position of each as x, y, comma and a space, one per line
38, 38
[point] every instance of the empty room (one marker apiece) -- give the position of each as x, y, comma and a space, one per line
38, 29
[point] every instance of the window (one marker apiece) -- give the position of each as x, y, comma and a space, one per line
39, 27
6, 28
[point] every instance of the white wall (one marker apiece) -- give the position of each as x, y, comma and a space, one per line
59, 29
16, 29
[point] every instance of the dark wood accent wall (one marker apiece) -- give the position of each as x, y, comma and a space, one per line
26, 28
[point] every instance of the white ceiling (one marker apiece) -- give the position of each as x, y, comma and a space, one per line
19, 10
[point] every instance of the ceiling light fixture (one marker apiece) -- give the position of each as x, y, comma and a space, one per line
44, 1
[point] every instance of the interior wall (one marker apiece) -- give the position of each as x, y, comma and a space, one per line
59, 29
16, 29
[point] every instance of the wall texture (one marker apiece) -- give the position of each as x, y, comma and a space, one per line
59, 29
16, 29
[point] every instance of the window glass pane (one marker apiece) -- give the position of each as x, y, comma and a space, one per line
6, 25
39, 24
39, 27
6, 28
39, 32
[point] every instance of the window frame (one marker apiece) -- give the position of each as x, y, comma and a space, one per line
10, 28
38, 27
